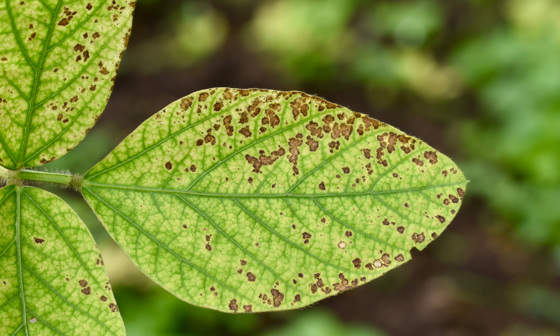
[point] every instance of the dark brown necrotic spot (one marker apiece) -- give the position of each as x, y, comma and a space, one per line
168, 165
297, 298
83, 283
243, 262
346, 170
218, 106
440, 218
418, 237
313, 288
357, 263
294, 144
453, 199
264, 160
203, 96
461, 192
277, 297
186, 103
86, 291
208, 247
322, 186
418, 162
38, 240
113, 307
233, 305
431, 156
245, 131
251, 277
348, 234
400, 229
399, 258
313, 144
248, 308
103, 298
367, 153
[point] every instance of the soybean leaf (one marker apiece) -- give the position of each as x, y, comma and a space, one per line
52, 279
259, 200
58, 61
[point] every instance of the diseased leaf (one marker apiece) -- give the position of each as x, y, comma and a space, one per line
258, 200
58, 61
52, 279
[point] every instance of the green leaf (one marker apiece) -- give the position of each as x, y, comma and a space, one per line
259, 200
52, 279
58, 61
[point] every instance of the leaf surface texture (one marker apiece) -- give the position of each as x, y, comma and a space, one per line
259, 200
58, 61
52, 278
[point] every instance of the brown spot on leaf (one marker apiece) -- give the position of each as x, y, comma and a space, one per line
277, 297
461, 192
440, 218
103, 298
86, 291
203, 96
32, 37
38, 240
233, 305
218, 106
399, 258
248, 308
346, 170
431, 156
245, 131
89, 6
186, 103
418, 237
453, 199
400, 229
168, 165
313, 145
367, 153
83, 283
251, 277
418, 162
322, 186
357, 263
297, 298
264, 160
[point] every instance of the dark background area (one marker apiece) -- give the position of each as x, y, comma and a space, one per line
477, 79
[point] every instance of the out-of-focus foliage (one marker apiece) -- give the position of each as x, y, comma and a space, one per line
321, 323
514, 148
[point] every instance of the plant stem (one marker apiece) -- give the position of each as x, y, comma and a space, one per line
12, 176
35, 175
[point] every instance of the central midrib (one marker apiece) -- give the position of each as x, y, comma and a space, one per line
87, 183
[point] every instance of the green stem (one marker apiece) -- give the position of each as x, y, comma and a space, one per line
35, 175
12, 176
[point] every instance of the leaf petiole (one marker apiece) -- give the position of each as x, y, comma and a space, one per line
12, 176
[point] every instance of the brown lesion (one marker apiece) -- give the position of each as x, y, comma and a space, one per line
357, 263
294, 144
418, 238
313, 144
264, 160
245, 131
233, 305
277, 297
431, 157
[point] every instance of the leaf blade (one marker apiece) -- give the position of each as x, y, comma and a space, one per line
53, 279
238, 191
58, 65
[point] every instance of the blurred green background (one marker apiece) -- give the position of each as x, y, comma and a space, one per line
477, 79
